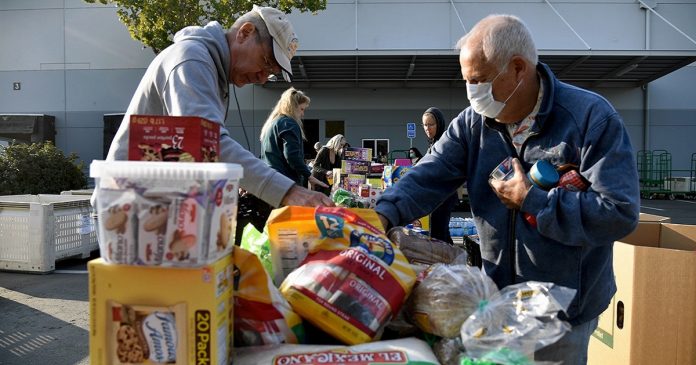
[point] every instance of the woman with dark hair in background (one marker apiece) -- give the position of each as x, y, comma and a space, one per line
434, 126
415, 155
328, 158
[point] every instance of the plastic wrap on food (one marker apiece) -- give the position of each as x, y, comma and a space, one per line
446, 295
352, 280
402, 351
117, 228
522, 318
448, 351
421, 249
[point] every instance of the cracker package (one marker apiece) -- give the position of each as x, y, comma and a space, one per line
352, 280
262, 315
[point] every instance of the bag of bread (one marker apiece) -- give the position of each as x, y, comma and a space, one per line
261, 315
421, 249
352, 280
446, 295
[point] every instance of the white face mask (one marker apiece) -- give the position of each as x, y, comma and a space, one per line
481, 97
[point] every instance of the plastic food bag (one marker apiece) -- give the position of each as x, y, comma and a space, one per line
258, 243
352, 281
446, 296
403, 351
521, 318
344, 198
421, 249
261, 315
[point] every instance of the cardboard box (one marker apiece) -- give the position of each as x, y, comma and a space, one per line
166, 138
357, 153
644, 217
355, 167
652, 317
202, 298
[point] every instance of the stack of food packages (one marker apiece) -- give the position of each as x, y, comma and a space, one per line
327, 285
355, 189
162, 290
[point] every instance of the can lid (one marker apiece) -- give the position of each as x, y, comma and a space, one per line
544, 174
165, 170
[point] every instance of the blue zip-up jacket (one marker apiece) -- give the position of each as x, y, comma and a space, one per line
572, 243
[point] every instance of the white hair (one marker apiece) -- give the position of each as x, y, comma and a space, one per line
501, 38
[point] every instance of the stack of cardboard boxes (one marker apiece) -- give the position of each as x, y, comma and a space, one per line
162, 291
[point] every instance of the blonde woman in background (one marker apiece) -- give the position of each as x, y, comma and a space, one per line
282, 137
328, 158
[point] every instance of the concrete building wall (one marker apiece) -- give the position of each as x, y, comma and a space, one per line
76, 61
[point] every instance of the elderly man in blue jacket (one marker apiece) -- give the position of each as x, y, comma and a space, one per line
520, 110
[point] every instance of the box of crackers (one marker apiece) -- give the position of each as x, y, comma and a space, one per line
168, 138
154, 315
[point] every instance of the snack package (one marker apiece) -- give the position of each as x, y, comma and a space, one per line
293, 231
262, 315
258, 243
352, 281
152, 227
406, 351
420, 249
446, 295
347, 199
519, 320
117, 225
165, 214
170, 138
222, 205
147, 335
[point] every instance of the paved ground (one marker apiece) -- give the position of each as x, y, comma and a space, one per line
44, 319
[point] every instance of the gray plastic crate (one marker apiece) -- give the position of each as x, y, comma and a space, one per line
38, 230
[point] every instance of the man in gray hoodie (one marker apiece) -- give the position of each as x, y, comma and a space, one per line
192, 76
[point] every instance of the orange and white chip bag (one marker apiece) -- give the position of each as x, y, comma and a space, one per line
262, 316
352, 280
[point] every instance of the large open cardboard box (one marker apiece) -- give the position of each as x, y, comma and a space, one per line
652, 317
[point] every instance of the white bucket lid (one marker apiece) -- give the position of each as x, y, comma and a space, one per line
165, 170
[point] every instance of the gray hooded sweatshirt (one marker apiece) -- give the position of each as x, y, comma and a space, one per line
190, 78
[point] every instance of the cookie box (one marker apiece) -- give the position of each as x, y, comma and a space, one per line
160, 213
155, 315
168, 138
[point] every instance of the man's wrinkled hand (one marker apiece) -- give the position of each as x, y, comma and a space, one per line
512, 192
298, 195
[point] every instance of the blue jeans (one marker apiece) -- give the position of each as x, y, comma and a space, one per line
571, 349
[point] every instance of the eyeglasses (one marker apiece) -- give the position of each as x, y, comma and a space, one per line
269, 68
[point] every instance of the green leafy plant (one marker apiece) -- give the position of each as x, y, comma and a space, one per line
39, 168
154, 22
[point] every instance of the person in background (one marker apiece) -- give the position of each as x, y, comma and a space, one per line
434, 126
317, 147
328, 158
282, 137
192, 76
415, 155
520, 110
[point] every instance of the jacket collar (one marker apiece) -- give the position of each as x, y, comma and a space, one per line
550, 83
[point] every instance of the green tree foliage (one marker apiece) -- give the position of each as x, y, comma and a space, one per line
154, 22
38, 168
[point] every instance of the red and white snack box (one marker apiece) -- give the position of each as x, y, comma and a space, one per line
167, 138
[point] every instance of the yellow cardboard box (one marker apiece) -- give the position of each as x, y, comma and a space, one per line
652, 317
202, 296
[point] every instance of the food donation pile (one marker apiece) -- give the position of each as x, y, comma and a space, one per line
317, 286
